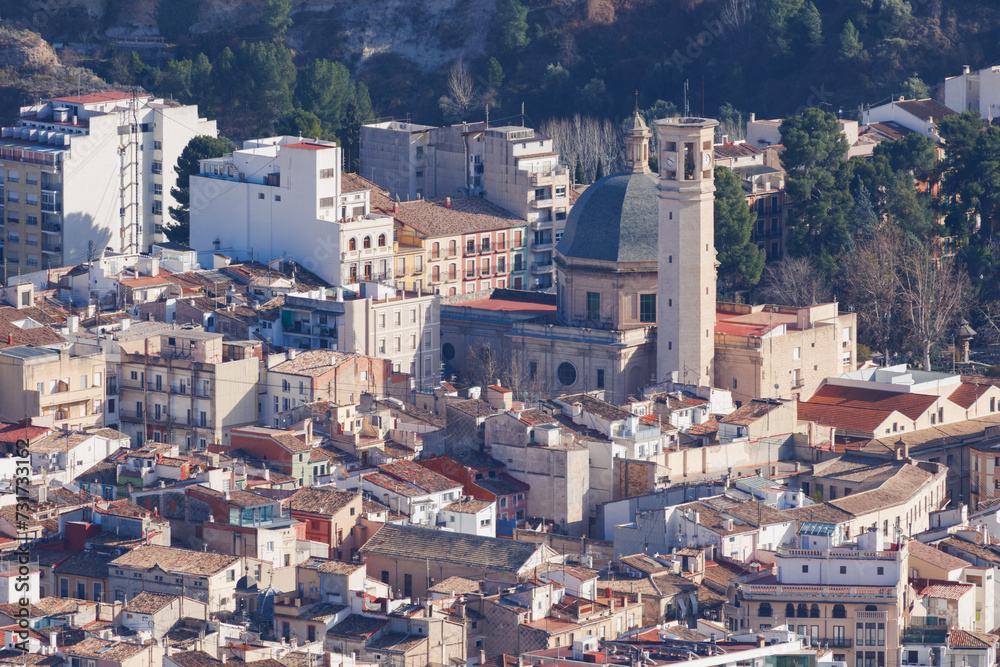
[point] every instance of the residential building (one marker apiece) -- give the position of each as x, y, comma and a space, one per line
65, 384
918, 116
286, 197
850, 597
411, 559
330, 517
412, 490
205, 577
285, 450
780, 351
56, 212
63, 455
467, 244
510, 166
301, 377
176, 386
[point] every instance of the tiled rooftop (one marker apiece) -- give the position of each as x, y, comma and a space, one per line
170, 559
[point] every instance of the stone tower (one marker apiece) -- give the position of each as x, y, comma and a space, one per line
636, 145
686, 251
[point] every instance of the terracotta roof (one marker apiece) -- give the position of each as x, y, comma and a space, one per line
149, 603
466, 215
534, 417
106, 651
596, 406
320, 500
485, 553
969, 639
109, 96
946, 590
236, 497
456, 586
418, 476
967, 394
911, 405
473, 407
935, 557
313, 363
170, 559
195, 659
93, 564
750, 412
474, 506
357, 626
735, 150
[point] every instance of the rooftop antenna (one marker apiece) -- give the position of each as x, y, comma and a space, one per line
687, 107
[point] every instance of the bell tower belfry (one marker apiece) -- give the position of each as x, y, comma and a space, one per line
686, 251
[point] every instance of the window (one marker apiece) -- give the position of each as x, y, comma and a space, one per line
566, 374
647, 307
593, 305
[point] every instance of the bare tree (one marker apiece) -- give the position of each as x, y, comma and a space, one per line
737, 21
507, 366
589, 138
875, 289
934, 290
793, 281
463, 94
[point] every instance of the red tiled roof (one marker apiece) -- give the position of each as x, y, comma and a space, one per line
967, 394
108, 96
864, 409
946, 590
308, 147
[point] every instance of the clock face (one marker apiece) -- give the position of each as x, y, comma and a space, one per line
671, 162
706, 159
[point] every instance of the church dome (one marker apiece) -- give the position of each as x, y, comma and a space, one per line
615, 220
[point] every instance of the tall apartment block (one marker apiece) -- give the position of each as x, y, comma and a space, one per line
285, 197
513, 167
88, 173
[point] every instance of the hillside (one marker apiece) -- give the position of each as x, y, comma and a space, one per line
581, 56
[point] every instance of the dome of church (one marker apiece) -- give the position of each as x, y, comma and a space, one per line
615, 220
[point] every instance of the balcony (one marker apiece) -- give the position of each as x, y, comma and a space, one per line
538, 268
805, 592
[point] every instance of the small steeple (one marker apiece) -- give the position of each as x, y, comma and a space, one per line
637, 137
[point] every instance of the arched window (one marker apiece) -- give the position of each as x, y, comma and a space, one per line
790, 610
764, 611
381, 240
368, 242
814, 611
839, 611
803, 610
352, 244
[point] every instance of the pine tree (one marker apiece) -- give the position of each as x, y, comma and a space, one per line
812, 24
850, 41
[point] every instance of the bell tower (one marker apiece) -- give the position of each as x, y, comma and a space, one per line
685, 348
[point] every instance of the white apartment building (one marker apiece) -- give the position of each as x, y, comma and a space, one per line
513, 167
87, 173
977, 91
285, 197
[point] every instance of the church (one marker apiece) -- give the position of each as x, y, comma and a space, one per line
635, 301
